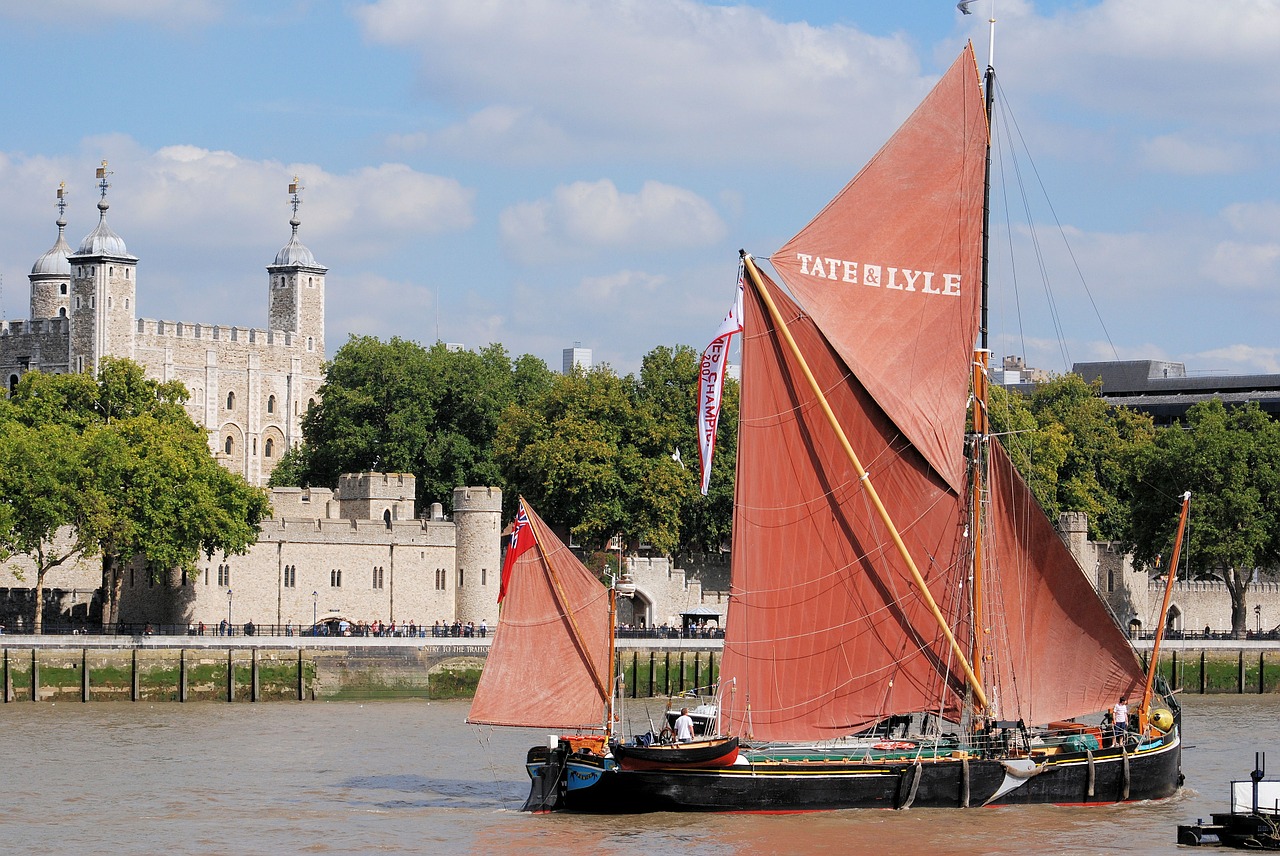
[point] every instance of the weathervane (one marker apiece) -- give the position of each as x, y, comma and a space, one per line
62, 199
102, 174
295, 187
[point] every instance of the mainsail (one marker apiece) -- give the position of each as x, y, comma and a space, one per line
827, 632
549, 664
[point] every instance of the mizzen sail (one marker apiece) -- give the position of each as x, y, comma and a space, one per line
549, 664
890, 270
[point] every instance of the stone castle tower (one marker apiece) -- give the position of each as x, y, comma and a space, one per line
103, 293
477, 514
249, 387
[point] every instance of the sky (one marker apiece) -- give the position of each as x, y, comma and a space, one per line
551, 172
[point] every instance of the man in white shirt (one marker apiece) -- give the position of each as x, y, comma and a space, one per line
1120, 718
684, 726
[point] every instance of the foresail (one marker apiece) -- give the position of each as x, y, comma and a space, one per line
826, 633
548, 666
890, 270
1057, 651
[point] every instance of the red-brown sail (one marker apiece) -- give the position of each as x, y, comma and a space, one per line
549, 664
826, 633
890, 270
1057, 651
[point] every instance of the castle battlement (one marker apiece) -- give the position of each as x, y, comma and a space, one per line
1211, 586
214, 332
44, 326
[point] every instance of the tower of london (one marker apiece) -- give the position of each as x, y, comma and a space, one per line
250, 386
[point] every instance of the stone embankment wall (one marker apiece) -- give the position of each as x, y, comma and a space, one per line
178, 669
152, 669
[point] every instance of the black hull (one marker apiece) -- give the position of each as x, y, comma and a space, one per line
1153, 772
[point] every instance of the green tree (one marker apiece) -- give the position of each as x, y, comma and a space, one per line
1094, 447
1230, 461
126, 474
399, 407
42, 509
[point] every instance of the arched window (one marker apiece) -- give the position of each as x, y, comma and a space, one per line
386, 517
13, 384
268, 447
271, 404
311, 402
311, 344
229, 445
62, 312
231, 401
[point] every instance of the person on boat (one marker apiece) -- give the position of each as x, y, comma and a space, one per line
684, 726
1120, 718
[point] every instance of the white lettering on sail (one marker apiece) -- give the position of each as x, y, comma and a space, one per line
877, 276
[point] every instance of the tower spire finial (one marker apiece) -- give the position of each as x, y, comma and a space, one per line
62, 205
103, 184
295, 187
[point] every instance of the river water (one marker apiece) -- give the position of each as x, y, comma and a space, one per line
412, 777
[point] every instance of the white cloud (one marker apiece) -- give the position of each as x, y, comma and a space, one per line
628, 282
1182, 156
205, 223
592, 78
584, 218
1238, 265
1237, 359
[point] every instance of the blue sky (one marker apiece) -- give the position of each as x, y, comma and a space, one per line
547, 172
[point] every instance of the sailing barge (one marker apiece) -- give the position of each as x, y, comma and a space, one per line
887, 565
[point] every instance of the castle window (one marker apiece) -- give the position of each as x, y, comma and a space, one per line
231, 401
224, 575
62, 289
460, 577
290, 576
228, 446
267, 448
386, 517
77, 301
255, 445
310, 283
1111, 580
311, 402
335, 578
377, 578
484, 576
13, 384
108, 301
271, 404
111, 271
126, 303
311, 343
62, 312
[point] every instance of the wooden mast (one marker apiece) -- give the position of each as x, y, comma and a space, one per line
1144, 710
781, 326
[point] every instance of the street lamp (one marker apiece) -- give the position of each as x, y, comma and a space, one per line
229, 625
315, 601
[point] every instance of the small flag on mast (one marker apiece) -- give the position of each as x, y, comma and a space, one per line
521, 539
711, 381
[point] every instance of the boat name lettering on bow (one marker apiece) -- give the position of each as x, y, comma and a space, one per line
879, 276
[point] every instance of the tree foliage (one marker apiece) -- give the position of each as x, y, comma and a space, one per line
1230, 461
399, 407
606, 455
119, 465
1074, 450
